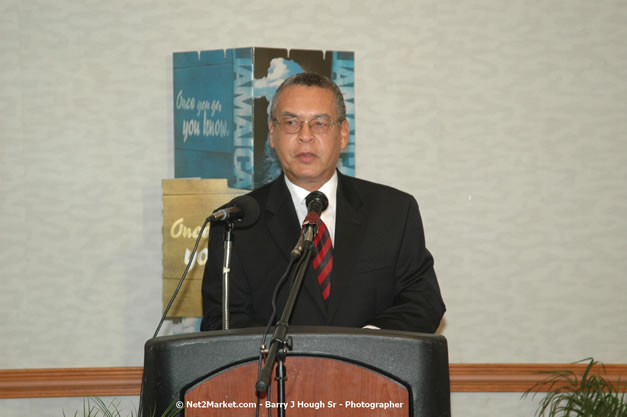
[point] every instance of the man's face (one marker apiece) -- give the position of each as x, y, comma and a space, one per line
308, 159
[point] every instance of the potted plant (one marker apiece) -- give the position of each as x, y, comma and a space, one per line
592, 395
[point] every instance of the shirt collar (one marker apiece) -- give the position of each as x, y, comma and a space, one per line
299, 194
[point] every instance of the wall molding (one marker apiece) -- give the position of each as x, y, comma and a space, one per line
512, 377
125, 381
70, 382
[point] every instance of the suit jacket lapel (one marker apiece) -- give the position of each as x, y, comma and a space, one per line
281, 220
349, 230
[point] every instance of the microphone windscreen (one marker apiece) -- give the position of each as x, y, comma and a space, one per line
250, 210
317, 202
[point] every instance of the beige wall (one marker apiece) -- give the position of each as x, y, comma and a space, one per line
506, 120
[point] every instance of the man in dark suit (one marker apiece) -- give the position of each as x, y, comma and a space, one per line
380, 273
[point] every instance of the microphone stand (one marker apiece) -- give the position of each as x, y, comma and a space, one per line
226, 273
280, 343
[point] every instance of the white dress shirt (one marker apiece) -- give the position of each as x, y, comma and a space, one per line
329, 189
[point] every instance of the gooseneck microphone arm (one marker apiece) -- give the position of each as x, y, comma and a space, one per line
280, 343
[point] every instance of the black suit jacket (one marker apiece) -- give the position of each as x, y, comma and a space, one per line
382, 275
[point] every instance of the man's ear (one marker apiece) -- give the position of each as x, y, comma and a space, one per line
345, 132
271, 130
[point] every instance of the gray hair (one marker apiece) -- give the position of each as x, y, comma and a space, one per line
310, 79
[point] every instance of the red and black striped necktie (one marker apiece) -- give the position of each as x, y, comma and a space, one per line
323, 261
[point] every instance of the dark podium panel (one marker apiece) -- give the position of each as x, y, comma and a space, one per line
331, 371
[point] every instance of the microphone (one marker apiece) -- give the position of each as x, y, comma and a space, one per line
242, 210
317, 202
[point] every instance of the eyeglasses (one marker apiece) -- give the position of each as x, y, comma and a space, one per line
319, 125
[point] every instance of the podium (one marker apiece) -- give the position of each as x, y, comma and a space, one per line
331, 371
